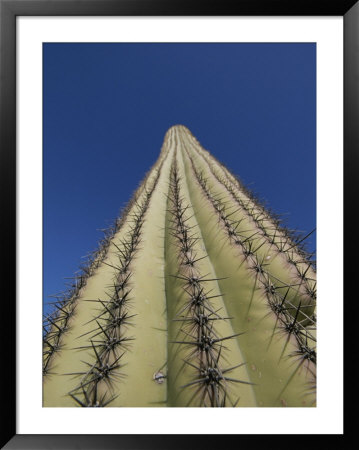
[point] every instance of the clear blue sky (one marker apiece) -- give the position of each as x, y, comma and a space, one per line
108, 106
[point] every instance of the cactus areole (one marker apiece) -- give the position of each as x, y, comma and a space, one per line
196, 297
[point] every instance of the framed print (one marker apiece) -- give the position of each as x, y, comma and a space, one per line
199, 293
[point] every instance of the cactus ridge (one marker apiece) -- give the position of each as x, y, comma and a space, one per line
210, 381
198, 298
309, 283
250, 199
250, 250
57, 322
286, 311
257, 213
114, 314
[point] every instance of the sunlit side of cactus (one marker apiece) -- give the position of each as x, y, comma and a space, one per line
196, 297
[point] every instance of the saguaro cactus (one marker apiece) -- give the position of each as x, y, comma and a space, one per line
196, 297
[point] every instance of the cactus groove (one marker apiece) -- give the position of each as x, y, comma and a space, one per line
196, 297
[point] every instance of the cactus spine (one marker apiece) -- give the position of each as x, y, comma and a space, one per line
196, 297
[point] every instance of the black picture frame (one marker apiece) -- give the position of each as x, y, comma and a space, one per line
9, 10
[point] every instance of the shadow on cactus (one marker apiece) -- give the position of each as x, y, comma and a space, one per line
197, 297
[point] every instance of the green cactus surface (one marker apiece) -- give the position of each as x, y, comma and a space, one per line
197, 296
